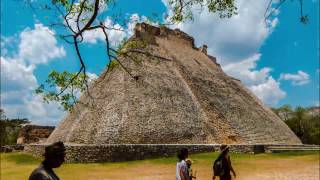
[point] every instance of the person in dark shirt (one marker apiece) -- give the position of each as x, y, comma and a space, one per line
227, 164
53, 158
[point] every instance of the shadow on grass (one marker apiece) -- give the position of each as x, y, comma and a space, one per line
20, 158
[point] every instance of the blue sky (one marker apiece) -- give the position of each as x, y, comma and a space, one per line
277, 59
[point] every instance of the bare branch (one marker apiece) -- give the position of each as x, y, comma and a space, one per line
275, 9
79, 14
111, 56
92, 18
268, 7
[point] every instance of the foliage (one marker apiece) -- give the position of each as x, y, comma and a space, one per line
182, 10
132, 44
112, 65
9, 129
302, 121
64, 88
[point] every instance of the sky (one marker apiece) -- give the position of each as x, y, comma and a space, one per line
276, 58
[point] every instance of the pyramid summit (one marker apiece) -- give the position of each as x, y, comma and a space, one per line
181, 96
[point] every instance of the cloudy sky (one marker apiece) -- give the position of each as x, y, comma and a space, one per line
277, 59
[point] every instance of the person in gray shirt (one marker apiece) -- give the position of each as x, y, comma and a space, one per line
53, 158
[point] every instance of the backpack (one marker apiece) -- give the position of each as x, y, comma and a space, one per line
219, 166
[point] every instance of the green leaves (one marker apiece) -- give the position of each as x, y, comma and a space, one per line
132, 44
62, 2
112, 65
304, 122
63, 88
182, 10
225, 8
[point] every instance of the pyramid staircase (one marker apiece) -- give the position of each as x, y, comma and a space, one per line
291, 148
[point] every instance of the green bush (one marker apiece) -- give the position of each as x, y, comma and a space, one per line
9, 129
302, 121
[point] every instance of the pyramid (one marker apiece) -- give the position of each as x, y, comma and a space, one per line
180, 95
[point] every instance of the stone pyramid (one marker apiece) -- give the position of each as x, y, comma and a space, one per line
180, 96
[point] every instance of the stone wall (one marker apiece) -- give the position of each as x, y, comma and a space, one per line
34, 133
127, 152
11, 148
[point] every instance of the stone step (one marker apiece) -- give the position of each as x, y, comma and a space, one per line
296, 145
293, 148
288, 150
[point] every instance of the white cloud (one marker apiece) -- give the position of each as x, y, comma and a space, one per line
234, 39
269, 92
18, 81
15, 75
298, 79
39, 45
6, 43
236, 43
260, 82
116, 33
244, 70
92, 76
17, 94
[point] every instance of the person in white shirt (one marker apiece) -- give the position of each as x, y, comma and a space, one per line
182, 168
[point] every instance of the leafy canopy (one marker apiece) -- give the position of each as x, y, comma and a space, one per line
63, 87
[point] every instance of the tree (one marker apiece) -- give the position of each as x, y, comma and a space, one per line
305, 125
63, 81
285, 111
2, 115
80, 16
9, 129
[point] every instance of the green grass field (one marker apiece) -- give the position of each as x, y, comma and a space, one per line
295, 165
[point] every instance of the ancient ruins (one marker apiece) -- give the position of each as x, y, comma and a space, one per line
34, 134
179, 95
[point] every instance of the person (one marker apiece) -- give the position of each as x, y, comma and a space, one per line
226, 164
190, 172
181, 168
53, 158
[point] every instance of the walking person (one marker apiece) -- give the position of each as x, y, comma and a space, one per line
182, 168
222, 165
53, 158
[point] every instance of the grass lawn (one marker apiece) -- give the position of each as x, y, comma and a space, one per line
283, 166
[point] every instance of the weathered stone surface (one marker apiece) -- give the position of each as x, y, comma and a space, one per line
182, 96
126, 152
34, 133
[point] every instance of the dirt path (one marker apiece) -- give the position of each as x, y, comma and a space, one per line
292, 168
248, 167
